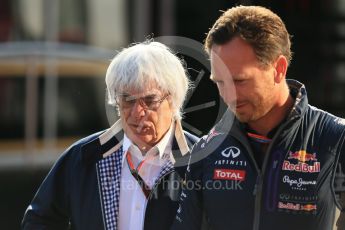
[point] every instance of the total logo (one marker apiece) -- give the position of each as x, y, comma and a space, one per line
229, 174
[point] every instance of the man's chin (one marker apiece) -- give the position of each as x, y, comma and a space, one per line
242, 118
147, 139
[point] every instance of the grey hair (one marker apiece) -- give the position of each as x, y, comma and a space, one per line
144, 64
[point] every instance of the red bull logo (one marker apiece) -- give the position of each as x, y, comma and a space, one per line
302, 156
297, 207
308, 207
290, 206
301, 167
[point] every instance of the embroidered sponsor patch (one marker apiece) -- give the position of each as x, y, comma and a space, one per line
231, 151
298, 183
301, 161
301, 167
231, 156
308, 207
229, 174
286, 197
302, 156
230, 162
297, 206
213, 133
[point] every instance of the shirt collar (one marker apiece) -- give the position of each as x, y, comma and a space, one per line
163, 147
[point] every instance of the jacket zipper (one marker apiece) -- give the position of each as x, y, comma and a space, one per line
257, 190
100, 196
259, 180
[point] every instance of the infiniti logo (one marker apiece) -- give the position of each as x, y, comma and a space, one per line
231, 151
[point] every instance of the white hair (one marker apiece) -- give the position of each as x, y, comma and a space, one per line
144, 64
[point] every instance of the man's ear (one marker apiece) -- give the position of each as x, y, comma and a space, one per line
280, 69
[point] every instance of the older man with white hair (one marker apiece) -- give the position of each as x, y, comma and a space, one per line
129, 176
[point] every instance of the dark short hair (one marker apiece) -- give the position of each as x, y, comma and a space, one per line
256, 25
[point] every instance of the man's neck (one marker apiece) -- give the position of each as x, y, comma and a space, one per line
160, 144
273, 118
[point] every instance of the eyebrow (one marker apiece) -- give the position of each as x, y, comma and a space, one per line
134, 96
151, 95
239, 77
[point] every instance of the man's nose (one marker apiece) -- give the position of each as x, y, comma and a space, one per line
138, 110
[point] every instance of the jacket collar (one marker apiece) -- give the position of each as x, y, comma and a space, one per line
111, 140
299, 93
229, 123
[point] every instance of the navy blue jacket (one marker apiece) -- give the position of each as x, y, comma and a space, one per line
82, 189
294, 189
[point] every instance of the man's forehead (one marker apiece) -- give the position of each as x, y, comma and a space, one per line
144, 91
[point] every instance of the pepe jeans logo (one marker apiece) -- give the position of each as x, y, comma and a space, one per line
231, 151
298, 184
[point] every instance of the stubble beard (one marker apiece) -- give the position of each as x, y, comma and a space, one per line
259, 110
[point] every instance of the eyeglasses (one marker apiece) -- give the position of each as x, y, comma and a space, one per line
150, 102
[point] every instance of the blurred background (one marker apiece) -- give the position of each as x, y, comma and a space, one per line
54, 54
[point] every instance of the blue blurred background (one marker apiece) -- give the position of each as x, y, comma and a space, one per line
54, 54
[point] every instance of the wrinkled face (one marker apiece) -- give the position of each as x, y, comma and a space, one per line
146, 116
246, 86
